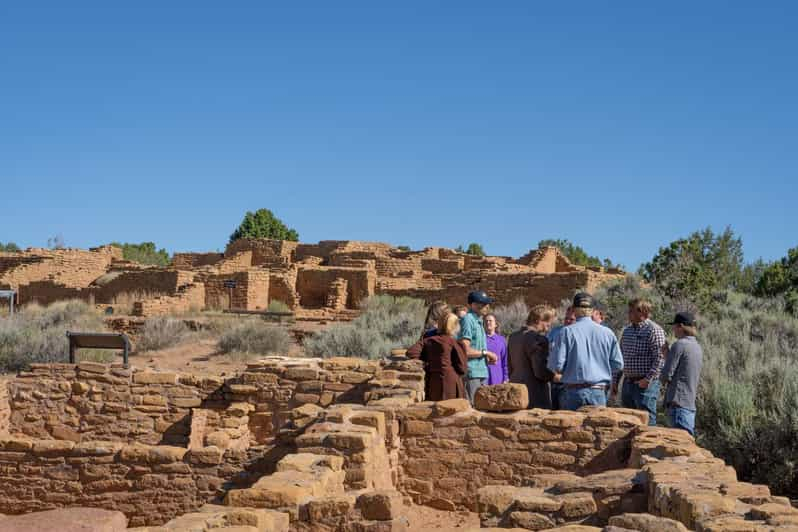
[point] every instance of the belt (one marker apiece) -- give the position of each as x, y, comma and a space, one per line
583, 385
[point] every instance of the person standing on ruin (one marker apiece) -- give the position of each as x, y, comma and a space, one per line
643, 345
528, 355
497, 373
557, 388
682, 372
586, 355
445, 361
474, 339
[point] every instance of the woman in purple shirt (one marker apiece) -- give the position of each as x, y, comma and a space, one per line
497, 373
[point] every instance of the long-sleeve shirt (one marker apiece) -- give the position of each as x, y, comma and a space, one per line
641, 345
497, 373
682, 371
586, 353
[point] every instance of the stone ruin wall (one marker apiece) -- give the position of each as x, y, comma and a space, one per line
323, 280
344, 444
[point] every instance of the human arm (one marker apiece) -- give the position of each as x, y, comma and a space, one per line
538, 355
459, 358
505, 363
671, 363
616, 375
657, 344
415, 350
468, 332
558, 352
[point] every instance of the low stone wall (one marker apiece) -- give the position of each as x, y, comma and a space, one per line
149, 484
449, 450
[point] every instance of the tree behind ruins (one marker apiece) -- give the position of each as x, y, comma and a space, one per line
263, 224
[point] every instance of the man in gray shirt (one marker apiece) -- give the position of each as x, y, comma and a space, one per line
681, 373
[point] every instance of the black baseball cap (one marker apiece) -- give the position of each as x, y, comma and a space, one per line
479, 296
683, 318
583, 300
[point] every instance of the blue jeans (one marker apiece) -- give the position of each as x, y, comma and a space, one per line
633, 396
557, 396
579, 397
471, 387
682, 418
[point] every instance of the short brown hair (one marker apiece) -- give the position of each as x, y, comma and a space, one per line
641, 304
540, 313
448, 324
689, 330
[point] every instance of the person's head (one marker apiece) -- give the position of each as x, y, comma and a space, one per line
435, 312
478, 301
583, 305
540, 318
639, 310
599, 312
491, 324
449, 325
570, 317
683, 324
460, 310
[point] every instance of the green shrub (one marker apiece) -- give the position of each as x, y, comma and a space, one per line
275, 305
263, 224
144, 253
38, 334
511, 317
161, 332
386, 323
255, 337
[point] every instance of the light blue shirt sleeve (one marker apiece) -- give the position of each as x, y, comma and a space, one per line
616, 358
467, 329
558, 353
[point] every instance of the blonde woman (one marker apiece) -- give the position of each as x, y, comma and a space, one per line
445, 361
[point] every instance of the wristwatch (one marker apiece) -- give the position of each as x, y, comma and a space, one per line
484, 352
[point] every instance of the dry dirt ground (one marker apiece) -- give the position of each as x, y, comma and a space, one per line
423, 518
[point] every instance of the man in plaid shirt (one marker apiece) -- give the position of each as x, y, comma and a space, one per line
643, 345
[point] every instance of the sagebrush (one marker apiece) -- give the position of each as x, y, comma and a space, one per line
386, 323
161, 332
255, 337
37, 334
511, 317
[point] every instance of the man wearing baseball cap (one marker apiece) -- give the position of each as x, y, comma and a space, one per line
473, 337
586, 355
681, 373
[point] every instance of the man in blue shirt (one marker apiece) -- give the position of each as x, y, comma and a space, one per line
474, 339
586, 355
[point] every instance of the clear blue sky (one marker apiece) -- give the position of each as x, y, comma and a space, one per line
620, 125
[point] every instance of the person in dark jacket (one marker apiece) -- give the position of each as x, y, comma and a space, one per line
528, 350
445, 361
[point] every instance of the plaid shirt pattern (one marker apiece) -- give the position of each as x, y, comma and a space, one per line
641, 345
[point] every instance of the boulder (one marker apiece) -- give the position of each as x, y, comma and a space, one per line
506, 397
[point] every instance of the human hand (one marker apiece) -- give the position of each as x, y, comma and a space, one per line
492, 358
614, 390
643, 384
557, 377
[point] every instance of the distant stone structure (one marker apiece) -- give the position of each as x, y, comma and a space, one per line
325, 280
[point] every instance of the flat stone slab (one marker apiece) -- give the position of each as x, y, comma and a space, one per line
507, 397
66, 520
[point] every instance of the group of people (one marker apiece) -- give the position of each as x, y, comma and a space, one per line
577, 363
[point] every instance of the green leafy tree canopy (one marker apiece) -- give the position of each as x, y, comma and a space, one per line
781, 278
697, 268
576, 254
144, 253
9, 247
263, 224
472, 249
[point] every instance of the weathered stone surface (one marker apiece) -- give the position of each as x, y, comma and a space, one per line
506, 397
646, 523
66, 520
380, 505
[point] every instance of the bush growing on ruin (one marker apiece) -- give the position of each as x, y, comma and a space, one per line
161, 332
263, 224
511, 317
254, 337
9, 247
144, 253
38, 334
576, 254
386, 323
275, 305
472, 249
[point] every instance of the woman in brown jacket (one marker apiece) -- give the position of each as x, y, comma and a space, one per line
445, 361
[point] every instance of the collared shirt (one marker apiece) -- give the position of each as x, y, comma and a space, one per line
586, 353
681, 372
471, 329
641, 345
497, 373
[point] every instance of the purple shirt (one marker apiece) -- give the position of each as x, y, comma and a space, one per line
498, 373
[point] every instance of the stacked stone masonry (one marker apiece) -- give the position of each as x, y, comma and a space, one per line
317, 281
348, 445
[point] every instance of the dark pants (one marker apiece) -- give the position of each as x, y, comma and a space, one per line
633, 396
557, 396
471, 387
575, 398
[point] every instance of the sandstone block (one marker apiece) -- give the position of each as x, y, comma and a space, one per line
52, 447
502, 398
325, 508
450, 407
380, 505
646, 523
66, 520
146, 377
92, 367
206, 455
413, 427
